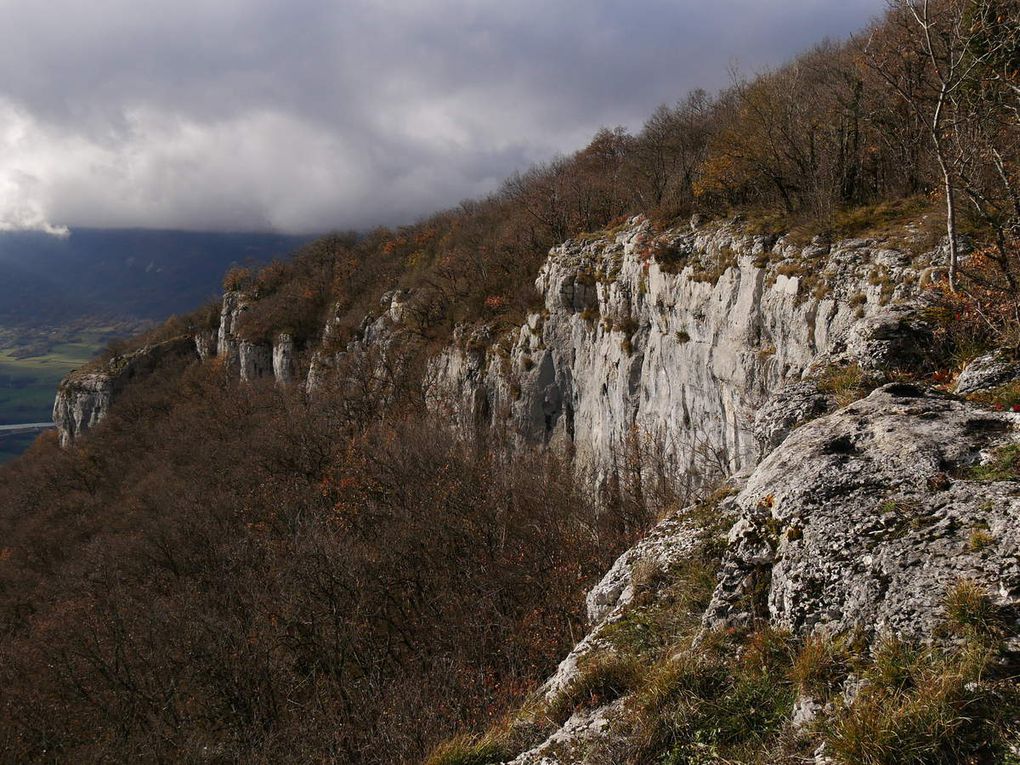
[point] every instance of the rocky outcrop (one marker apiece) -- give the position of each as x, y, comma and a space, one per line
377, 341
862, 520
227, 347
795, 404
284, 363
82, 401
254, 360
681, 336
206, 342
988, 371
84, 397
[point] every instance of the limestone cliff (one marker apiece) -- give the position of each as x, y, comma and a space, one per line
679, 336
682, 337
84, 396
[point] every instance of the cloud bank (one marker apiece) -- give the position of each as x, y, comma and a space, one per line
306, 115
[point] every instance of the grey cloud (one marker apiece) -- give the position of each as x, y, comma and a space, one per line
309, 114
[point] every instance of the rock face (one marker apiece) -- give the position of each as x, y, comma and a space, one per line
681, 337
376, 339
227, 347
84, 397
794, 405
863, 519
988, 371
284, 366
81, 402
255, 360
206, 344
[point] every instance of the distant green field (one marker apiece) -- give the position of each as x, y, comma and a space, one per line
27, 385
32, 364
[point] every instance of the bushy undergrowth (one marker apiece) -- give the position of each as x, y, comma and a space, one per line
229, 569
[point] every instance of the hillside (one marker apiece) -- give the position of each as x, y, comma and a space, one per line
697, 446
66, 298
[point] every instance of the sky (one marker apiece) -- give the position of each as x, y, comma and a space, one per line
308, 115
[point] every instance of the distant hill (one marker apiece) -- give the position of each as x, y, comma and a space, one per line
123, 274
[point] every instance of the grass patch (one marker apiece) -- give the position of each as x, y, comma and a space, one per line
662, 616
822, 665
980, 539
926, 707
879, 221
1005, 397
930, 704
1003, 466
469, 750
971, 612
603, 678
705, 705
847, 383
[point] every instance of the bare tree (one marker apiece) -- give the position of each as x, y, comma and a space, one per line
944, 38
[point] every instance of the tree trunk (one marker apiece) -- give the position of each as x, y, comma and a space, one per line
951, 229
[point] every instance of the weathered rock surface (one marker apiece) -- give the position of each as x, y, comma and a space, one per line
84, 397
792, 406
861, 519
206, 343
255, 360
584, 730
284, 362
987, 372
234, 305
670, 542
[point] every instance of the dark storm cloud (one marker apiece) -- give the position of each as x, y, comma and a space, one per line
308, 114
